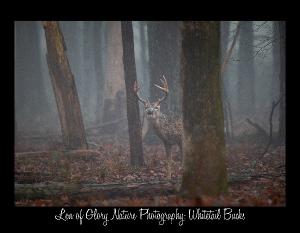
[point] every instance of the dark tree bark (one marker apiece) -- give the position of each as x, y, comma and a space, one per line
133, 115
246, 79
64, 88
174, 41
203, 140
282, 81
225, 26
75, 52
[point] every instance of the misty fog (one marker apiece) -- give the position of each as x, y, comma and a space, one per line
94, 50
102, 103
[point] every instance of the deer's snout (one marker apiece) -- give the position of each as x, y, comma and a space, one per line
149, 111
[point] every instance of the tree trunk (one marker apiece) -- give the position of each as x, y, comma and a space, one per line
225, 80
31, 105
114, 72
133, 115
89, 79
246, 80
282, 81
225, 28
203, 140
99, 30
144, 51
274, 85
64, 88
225, 25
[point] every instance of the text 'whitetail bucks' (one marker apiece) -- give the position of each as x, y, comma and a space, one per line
167, 128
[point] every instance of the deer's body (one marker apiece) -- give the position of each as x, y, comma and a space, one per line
167, 128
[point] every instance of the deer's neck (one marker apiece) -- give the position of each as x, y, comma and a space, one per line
156, 125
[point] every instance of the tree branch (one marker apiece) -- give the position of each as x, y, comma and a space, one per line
257, 127
274, 105
229, 53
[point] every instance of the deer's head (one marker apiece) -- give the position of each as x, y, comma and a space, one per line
152, 110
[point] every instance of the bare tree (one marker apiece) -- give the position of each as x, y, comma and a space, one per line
246, 79
282, 80
30, 85
99, 55
226, 55
64, 88
133, 115
114, 72
203, 138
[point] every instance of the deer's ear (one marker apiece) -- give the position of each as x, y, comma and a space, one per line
157, 105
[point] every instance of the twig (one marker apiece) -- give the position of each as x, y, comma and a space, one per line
93, 144
274, 104
259, 26
106, 124
258, 127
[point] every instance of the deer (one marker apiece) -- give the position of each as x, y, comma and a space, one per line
168, 129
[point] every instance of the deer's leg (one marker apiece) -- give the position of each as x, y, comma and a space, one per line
168, 153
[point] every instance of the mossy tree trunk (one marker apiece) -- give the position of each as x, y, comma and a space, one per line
64, 88
133, 115
203, 139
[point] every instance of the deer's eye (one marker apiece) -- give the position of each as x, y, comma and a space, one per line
156, 108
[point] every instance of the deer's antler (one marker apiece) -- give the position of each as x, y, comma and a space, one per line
136, 89
164, 88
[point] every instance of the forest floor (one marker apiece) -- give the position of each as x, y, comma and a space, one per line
252, 183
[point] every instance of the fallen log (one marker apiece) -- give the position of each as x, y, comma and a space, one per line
29, 177
57, 152
113, 190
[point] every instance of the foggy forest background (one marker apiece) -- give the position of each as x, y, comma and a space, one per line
94, 51
248, 58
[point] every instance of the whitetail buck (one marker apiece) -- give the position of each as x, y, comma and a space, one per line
168, 129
